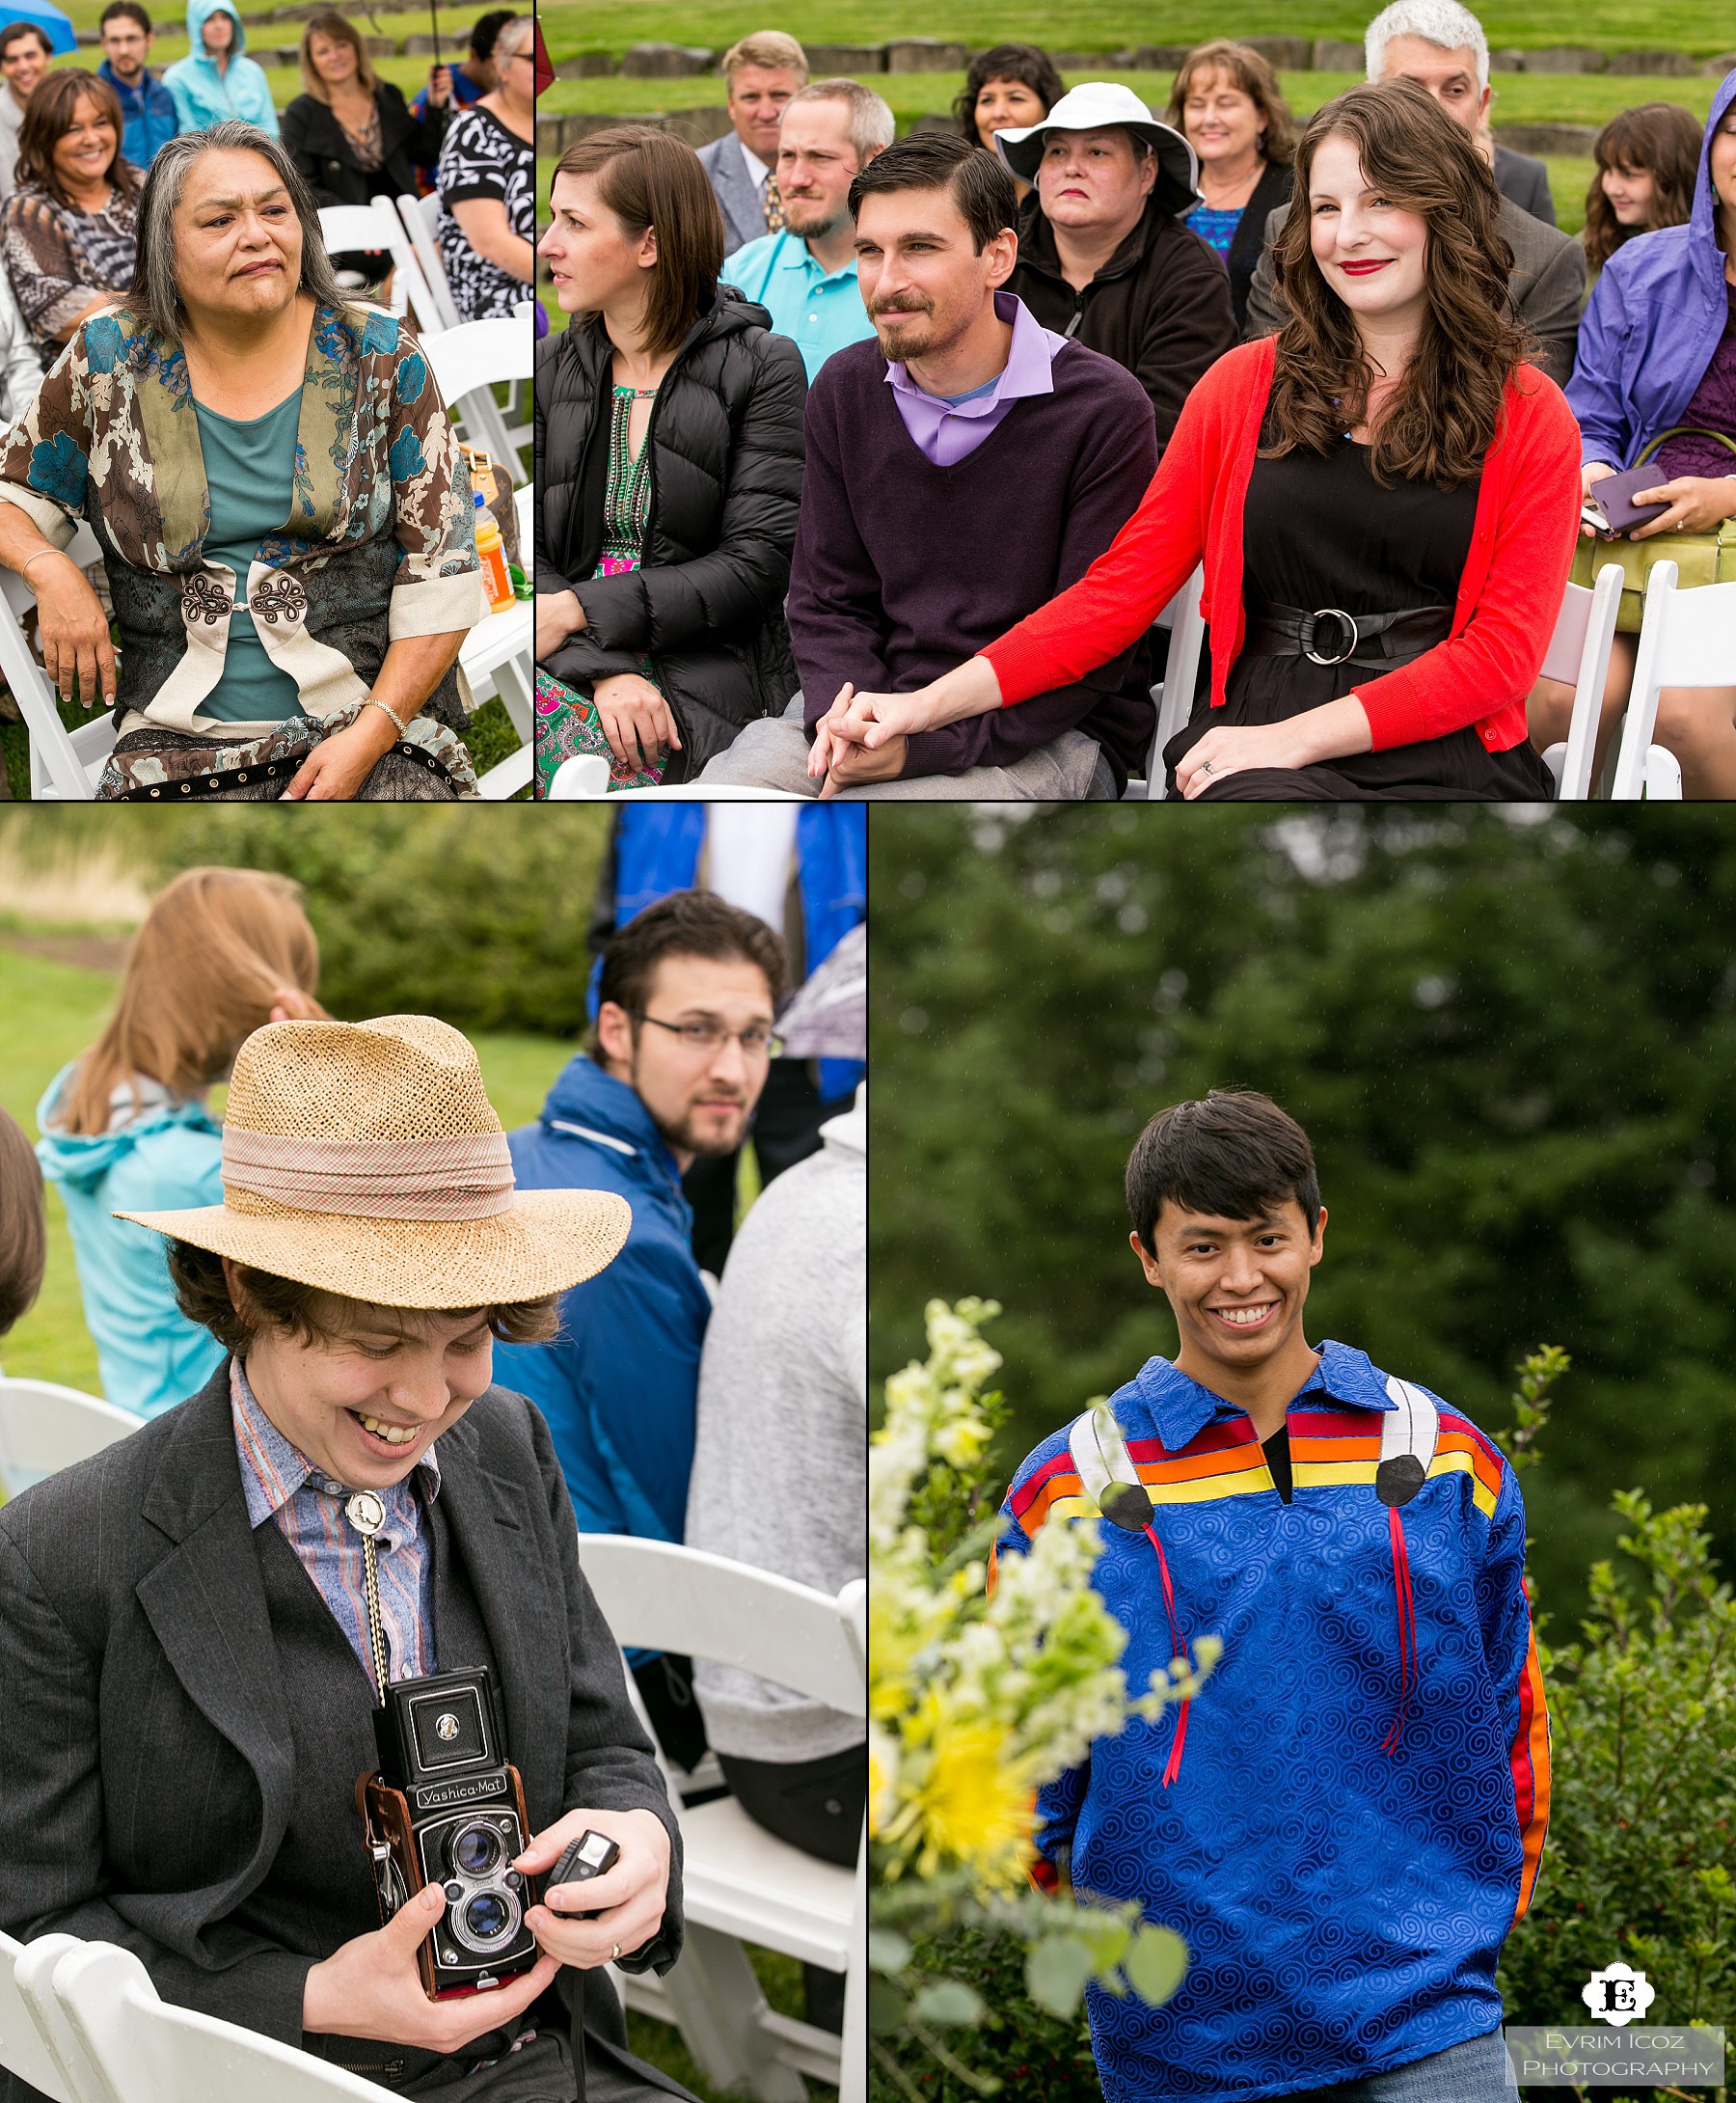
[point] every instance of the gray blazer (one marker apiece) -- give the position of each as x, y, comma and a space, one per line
744, 210
1526, 182
136, 1655
1544, 293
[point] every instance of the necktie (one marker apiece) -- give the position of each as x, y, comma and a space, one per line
774, 216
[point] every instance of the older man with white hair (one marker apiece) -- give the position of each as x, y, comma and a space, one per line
1441, 45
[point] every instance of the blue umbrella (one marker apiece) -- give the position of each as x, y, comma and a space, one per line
53, 24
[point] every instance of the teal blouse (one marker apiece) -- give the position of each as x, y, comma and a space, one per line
251, 469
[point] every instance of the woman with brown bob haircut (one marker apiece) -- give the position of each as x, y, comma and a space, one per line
668, 466
1228, 104
1384, 496
221, 953
68, 233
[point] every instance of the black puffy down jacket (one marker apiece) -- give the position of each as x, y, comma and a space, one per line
707, 603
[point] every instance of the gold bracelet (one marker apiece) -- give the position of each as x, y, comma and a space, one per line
396, 721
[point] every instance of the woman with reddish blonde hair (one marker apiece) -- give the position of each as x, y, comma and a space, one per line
1229, 106
221, 953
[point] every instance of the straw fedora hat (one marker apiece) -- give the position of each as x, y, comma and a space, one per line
366, 1159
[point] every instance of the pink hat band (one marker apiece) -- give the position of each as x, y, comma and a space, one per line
465, 1175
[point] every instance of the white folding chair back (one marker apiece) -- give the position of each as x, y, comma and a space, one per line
149, 2051
45, 1427
376, 225
585, 780
737, 1879
421, 215
1579, 656
36, 2042
1687, 638
468, 361
1175, 692
582, 779
62, 765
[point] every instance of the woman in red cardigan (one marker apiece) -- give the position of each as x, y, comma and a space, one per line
1385, 497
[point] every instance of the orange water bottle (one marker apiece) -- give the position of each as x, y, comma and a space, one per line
492, 554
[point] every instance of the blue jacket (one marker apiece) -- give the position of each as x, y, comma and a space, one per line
1654, 320
1343, 1905
657, 850
168, 1157
619, 1388
148, 112
203, 96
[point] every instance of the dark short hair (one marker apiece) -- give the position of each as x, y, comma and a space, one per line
315, 1317
648, 178
939, 160
1233, 1155
10, 35
688, 923
486, 28
1026, 63
23, 1224
127, 11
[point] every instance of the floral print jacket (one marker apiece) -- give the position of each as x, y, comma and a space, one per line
380, 542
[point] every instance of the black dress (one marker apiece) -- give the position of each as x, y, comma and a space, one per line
1319, 532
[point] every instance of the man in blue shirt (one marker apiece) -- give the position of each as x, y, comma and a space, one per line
147, 107
805, 275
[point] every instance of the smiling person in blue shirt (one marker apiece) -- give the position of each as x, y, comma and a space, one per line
1347, 1820
805, 275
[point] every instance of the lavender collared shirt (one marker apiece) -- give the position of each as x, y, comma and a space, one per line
945, 433
280, 1483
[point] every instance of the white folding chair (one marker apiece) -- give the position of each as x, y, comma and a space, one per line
421, 216
738, 1883
585, 780
149, 2051
466, 362
1579, 656
36, 2043
498, 660
44, 1427
1687, 638
63, 764
376, 225
1174, 694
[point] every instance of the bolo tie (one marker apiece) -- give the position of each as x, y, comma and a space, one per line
367, 1514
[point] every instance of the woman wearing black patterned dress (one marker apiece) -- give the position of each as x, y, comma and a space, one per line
487, 186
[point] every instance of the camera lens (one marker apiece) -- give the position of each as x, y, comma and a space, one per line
487, 1915
476, 1849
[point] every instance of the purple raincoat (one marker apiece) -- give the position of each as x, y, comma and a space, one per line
1654, 320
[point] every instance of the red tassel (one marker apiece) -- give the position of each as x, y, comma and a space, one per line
1407, 1627
1178, 1650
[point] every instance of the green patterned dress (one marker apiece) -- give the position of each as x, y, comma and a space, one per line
567, 721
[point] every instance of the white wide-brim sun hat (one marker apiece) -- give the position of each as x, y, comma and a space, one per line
366, 1159
1092, 106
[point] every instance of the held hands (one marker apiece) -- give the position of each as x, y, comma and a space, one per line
370, 1987
627, 1902
868, 722
1697, 504
636, 718
72, 630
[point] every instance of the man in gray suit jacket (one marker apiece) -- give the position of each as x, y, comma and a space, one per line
763, 71
1545, 292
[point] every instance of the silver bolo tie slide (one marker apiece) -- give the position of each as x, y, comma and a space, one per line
367, 1514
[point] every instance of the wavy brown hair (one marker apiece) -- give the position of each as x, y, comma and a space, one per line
1245, 68
1441, 419
47, 120
1664, 139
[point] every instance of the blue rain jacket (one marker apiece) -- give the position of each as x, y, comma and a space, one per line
203, 96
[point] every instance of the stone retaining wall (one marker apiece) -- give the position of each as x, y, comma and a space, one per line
1290, 54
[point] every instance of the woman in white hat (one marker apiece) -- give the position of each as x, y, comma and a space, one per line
1102, 252
197, 1627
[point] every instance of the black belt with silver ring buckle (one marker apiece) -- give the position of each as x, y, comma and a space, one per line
1311, 635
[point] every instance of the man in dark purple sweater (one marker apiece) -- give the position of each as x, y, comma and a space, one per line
961, 470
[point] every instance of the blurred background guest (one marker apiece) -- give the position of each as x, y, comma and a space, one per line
24, 1226
1227, 103
216, 79
487, 184
70, 227
762, 73
1646, 161
24, 55
147, 107
1013, 84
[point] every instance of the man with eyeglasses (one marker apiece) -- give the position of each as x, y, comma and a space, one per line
671, 1070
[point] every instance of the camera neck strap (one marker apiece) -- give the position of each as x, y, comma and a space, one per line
367, 1514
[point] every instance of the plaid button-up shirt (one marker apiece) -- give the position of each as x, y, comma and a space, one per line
280, 1483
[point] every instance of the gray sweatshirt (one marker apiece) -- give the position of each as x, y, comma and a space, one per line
781, 1466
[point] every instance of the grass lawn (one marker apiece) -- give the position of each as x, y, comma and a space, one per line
49, 1011
572, 26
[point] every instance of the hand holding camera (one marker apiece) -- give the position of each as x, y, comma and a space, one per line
608, 1914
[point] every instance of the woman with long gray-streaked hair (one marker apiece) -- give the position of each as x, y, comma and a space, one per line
293, 563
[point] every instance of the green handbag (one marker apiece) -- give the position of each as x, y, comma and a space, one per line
1701, 559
